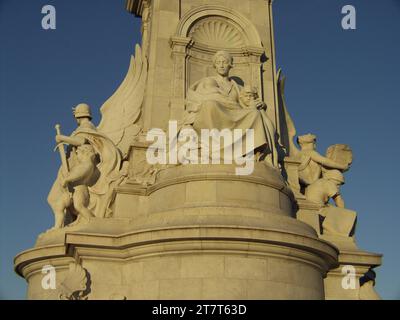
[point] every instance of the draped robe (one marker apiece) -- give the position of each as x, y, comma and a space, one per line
215, 104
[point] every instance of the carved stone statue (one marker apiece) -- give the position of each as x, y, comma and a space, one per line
218, 103
83, 187
312, 163
249, 98
321, 178
326, 188
338, 221
94, 164
82, 174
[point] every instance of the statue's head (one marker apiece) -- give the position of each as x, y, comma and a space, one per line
223, 62
86, 152
307, 141
82, 111
248, 95
335, 176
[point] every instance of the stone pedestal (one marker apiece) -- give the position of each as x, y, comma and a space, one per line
350, 280
200, 233
308, 213
346, 282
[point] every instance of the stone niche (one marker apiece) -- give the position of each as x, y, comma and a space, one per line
204, 31
200, 34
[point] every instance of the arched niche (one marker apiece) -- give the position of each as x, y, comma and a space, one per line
200, 34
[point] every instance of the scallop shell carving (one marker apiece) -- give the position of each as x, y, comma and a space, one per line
217, 33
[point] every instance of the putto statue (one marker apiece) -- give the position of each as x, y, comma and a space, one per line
218, 102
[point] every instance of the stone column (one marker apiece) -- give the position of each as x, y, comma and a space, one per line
180, 47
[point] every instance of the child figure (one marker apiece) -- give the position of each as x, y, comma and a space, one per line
249, 98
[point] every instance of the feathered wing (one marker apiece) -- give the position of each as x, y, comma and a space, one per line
287, 127
121, 112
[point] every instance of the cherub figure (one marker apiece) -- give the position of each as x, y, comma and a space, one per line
249, 98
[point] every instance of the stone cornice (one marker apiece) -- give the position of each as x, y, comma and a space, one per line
178, 239
135, 6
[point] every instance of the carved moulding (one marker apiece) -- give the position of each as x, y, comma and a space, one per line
217, 32
362, 263
76, 285
188, 216
125, 252
136, 6
211, 28
72, 281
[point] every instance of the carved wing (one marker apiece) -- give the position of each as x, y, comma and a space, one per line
121, 112
287, 128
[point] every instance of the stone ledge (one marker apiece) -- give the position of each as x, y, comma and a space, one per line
262, 175
184, 240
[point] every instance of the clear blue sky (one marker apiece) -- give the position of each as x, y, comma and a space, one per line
342, 86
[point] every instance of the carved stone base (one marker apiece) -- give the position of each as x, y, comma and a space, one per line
342, 284
308, 213
198, 233
351, 258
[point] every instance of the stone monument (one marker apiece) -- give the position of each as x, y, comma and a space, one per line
144, 209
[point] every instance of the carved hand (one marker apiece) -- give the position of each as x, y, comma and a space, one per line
260, 105
59, 138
